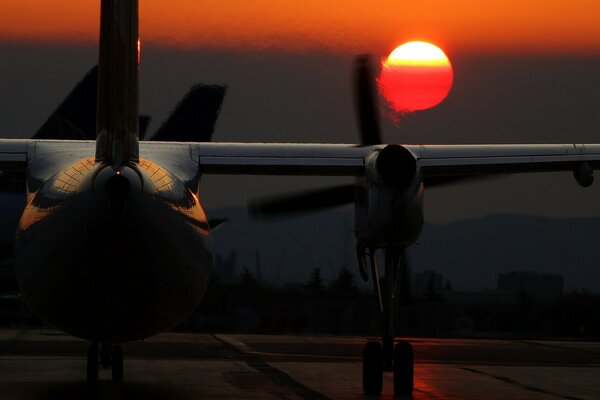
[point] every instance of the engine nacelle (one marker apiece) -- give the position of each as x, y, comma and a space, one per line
393, 165
389, 208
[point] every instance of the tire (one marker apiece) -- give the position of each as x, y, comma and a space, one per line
403, 368
92, 363
117, 363
373, 368
105, 356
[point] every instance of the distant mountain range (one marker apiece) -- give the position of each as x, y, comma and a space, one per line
470, 253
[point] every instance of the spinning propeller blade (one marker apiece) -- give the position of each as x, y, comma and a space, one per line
365, 97
370, 134
312, 200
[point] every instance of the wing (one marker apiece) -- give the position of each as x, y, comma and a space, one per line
281, 159
465, 160
13, 154
327, 159
433, 161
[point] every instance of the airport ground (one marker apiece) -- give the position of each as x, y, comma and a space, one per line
42, 364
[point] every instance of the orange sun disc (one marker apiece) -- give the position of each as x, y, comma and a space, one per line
415, 76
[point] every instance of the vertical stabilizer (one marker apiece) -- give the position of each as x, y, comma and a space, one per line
117, 120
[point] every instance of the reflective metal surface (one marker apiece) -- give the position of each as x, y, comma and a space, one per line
113, 254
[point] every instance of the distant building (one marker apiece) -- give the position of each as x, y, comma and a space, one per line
545, 288
429, 285
484, 297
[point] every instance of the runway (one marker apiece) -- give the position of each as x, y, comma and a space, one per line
45, 364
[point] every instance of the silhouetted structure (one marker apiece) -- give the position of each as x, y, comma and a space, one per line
428, 284
539, 287
194, 118
315, 282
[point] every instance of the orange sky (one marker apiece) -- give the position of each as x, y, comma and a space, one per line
543, 26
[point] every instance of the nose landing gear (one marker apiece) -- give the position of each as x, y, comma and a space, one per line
384, 357
109, 356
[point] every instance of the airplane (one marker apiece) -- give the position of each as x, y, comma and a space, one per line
114, 244
193, 119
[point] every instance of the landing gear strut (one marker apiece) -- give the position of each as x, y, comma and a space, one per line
106, 356
380, 357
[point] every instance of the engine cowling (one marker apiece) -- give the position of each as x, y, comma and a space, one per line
389, 208
396, 166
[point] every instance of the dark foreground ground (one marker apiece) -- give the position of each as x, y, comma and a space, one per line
44, 364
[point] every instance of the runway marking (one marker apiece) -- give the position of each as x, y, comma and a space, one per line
244, 348
511, 381
253, 360
557, 346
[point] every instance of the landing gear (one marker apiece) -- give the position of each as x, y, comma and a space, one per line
377, 357
106, 356
403, 368
92, 363
372, 368
117, 363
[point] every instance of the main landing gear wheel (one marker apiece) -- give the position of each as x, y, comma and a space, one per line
108, 356
117, 363
403, 368
378, 358
105, 356
373, 368
92, 362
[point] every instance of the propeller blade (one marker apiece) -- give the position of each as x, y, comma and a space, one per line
365, 97
312, 200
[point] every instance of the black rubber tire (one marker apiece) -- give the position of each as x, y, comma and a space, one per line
105, 355
92, 363
372, 368
117, 363
403, 368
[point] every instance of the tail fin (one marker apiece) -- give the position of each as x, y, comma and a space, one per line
117, 119
194, 118
75, 117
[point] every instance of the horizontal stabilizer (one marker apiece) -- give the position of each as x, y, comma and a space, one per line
14, 154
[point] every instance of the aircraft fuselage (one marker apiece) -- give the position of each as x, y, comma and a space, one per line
113, 255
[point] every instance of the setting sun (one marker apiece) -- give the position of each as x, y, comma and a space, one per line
415, 76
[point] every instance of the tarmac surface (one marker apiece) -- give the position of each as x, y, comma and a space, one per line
45, 364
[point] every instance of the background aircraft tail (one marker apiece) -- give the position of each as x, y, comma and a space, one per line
194, 118
75, 117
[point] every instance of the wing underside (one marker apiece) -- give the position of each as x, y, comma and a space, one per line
327, 159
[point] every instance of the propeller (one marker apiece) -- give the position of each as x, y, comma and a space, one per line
365, 98
300, 202
321, 199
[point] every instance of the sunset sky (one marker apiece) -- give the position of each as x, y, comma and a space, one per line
349, 26
524, 72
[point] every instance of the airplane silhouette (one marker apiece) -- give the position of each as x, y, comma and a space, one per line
114, 245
